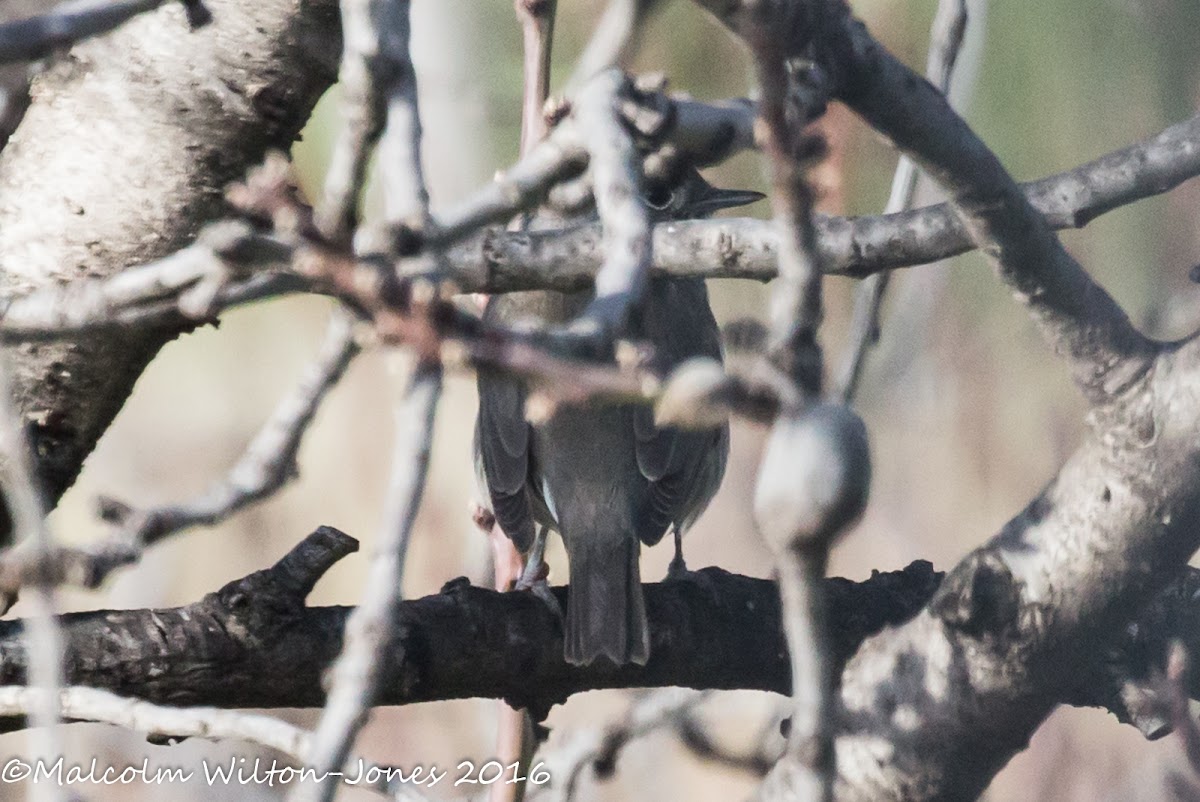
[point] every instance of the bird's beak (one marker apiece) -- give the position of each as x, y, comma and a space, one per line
716, 199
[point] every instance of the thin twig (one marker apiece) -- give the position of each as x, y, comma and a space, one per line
379, 87
598, 749
790, 498
703, 133
1077, 317
614, 162
70, 22
695, 736
268, 463
228, 263
381, 28
613, 40
354, 677
515, 736
946, 38
211, 723
796, 302
537, 32
25, 511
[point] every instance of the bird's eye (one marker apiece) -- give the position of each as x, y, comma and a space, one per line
659, 197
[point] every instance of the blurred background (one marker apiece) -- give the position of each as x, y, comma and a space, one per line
969, 413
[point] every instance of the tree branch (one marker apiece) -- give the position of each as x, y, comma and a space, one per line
1077, 317
500, 261
255, 644
198, 108
68, 23
955, 692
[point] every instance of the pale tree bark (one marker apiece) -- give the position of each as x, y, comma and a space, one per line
125, 152
122, 156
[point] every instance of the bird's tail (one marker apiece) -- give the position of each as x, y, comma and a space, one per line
606, 612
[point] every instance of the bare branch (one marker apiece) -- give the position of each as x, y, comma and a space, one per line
78, 205
269, 461
949, 28
1077, 316
613, 40
24, 504
377, 44
796, 303
167, 723
70, 22
596, 751
537, 31
703, 133
189, 285
375, 76
357, 675
970, 677
499, 261
621, 282
254, 643
267, 464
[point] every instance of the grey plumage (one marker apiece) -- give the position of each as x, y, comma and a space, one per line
604, 476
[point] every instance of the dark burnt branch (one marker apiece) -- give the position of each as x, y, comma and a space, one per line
254, 643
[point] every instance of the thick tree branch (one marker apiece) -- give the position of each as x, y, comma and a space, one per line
254, 643
68, 23
932, 709
1105, 352
198, 108
500, 261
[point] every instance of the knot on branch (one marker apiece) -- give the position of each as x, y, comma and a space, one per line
980, 597
270, 598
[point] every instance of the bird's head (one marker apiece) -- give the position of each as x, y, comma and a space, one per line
691, 197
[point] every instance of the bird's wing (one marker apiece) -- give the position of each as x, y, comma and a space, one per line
678, 321
502, 444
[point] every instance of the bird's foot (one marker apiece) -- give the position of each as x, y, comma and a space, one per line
540, 588
678, 571
531, 574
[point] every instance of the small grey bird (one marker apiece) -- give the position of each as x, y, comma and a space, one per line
603, 475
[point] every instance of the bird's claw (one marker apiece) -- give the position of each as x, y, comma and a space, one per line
531, 574
678, 569
541, 589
